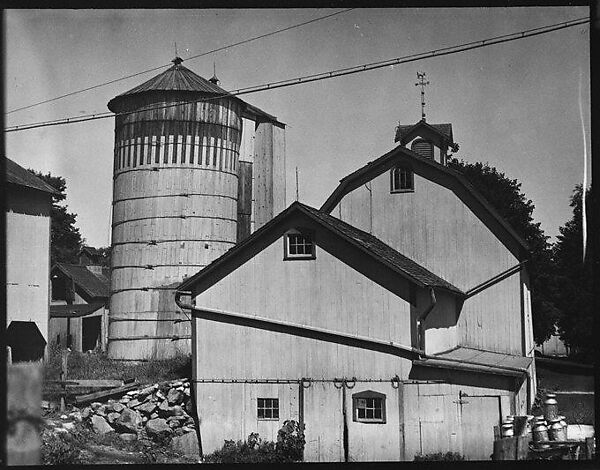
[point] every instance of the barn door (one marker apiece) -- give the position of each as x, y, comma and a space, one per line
324, 422
479, 415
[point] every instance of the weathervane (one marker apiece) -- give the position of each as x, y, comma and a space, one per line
422, 83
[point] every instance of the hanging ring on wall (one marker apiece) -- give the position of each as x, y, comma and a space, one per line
305, 382
340, 382
348, 382
395, 380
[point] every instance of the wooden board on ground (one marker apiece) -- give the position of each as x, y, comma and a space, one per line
105, 393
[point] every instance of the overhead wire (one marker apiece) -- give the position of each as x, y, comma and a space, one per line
325, 75
239, 43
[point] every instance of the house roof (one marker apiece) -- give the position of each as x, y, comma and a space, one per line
75, 310
406, 133
16, 174
369, 244
182, 79
441, 174
478, 360
95, 286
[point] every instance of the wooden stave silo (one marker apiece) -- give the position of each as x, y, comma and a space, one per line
170, 219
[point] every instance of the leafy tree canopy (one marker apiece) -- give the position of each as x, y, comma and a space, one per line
65, 239
574, 292
505, 195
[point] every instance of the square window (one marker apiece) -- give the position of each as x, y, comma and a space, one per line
299, 246
268, 408
401, 180
368, 407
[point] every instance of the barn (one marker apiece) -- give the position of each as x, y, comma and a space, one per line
28, 206
79, 306
393, 321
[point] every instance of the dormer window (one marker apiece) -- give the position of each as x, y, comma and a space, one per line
402, 180
299, 245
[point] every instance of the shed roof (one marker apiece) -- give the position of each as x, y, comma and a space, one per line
441, 174
369, 244
16, 174
478, 360
95, 286
75, 310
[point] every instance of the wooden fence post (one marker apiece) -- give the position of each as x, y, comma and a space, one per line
63, 378
24, 396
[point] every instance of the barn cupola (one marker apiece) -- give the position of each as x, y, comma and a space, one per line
429, 140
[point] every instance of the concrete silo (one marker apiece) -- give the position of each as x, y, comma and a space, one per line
177, 177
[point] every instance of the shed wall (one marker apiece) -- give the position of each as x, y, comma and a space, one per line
28, 257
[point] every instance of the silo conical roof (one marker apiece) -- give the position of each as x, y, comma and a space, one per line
175, 78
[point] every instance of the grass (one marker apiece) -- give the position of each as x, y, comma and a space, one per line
100, 366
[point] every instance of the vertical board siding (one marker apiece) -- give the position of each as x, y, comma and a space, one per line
433, 227
28, 257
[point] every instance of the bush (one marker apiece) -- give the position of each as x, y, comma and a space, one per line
448, 456
289, 447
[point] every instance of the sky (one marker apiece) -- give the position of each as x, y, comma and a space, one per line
518, 106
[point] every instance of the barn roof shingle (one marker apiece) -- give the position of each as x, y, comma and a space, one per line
16, 174
445, 130
93, 285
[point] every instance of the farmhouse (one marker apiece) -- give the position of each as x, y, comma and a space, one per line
393, 321
28, 205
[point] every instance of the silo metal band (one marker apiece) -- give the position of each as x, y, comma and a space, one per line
173, 167
173, 195
155, 242
182, 216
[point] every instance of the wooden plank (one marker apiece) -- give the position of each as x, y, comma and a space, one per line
522, 447
105, 393
505, 449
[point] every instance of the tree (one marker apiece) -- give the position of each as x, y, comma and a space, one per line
65, 239
574, 295
505, 195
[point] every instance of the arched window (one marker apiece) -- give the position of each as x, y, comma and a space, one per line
402, 180
368, 407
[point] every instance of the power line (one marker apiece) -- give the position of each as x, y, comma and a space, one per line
245, 41
327, 75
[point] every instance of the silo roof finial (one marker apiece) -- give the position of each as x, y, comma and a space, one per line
177, 60
214, 78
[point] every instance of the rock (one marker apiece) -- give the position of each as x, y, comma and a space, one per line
101, 410
132, 393
189, 408
154, 415
124, 400
69, 426
133, 403
45, 405
77, 416
160, 395
174, 397
60, 430
186, 444
96, 405
148, 390
86, 412
111, 417
64, 417
187, 428
100, 426
173, 424
157, 428
144, 419
128, 421
118, 407
186, 392
178, 432
147, 408
128, 436
176, 383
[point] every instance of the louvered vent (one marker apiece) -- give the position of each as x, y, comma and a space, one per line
422, 147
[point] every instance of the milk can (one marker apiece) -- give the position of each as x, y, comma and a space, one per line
550, 407
540, 434
554, 429
507, 430
563, 432
529, 426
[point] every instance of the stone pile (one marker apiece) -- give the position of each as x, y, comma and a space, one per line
157, 411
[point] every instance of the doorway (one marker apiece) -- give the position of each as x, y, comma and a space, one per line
90, 332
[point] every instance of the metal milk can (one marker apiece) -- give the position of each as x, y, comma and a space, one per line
540, 433
554, 429
507, 430
550, 407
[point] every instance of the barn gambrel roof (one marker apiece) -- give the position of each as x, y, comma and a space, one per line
440, 174
367, 243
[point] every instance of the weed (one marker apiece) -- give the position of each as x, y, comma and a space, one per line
448, 456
